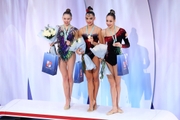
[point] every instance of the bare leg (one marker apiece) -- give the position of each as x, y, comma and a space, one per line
96, 79
89, 77
70, 64
118, 86
64, 73
113, 89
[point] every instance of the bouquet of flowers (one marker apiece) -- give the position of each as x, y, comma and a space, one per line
100, 51
49, 33
79, 43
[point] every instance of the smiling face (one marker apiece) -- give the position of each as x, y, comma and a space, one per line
90, 19
110, 21
67, 19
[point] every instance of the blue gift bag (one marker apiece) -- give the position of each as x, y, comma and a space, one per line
50, 63
78, 74
122, 66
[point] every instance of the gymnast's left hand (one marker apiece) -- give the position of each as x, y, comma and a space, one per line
68, 42
79, 51
117, 44
90, 39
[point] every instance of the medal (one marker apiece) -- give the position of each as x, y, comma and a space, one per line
89, 35
66, 32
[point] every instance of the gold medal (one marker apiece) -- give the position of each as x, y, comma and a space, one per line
89, 36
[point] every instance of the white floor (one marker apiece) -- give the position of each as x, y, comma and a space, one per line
54, 110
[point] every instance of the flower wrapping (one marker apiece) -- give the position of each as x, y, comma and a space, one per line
49, 33
79, 43
99, 50
88, 62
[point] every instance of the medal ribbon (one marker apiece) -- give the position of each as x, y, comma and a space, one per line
114, 37
89, 35
66, 32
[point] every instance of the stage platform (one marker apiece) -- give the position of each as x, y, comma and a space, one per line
54, 110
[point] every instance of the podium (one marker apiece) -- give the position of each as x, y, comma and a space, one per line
55, 110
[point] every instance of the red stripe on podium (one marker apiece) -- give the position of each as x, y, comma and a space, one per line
32, 115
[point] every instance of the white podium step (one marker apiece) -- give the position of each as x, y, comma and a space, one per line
54, 110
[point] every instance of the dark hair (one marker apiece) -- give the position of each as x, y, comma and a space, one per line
89, 10
68, 11
112, 13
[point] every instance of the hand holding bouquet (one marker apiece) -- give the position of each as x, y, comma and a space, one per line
78, 44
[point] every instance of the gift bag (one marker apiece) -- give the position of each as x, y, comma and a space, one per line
78, 74
50, 63
122, 66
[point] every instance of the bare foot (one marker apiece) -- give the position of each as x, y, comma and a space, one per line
66, 107
120, 110
95, 106
112, 112
91, 108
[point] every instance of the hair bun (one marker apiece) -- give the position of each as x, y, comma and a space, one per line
68, 10
112, 11
89, 9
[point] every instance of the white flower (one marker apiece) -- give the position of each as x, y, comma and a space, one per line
46, 33
49, 32
53, 32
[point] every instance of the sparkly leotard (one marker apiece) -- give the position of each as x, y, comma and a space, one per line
63, 48
89, 45
112, 51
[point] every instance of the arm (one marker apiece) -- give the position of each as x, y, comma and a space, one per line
103, 35
125, 38
101, 38
126, 41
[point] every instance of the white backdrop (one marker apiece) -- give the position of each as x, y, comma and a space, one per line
147, 23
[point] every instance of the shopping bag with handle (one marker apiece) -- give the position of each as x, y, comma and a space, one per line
122, 66
50, 63
78, 74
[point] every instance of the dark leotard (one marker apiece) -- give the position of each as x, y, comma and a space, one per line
112, 51
89, 45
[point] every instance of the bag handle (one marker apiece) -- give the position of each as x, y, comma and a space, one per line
52, 47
